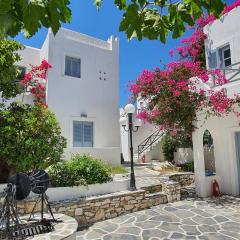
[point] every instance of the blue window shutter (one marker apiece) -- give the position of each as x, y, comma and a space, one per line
68, 66
213, 60
72, 67
88, 134
77, 134
76, 68
82, 134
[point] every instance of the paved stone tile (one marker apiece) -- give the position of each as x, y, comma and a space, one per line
147, 224
129, 230
190, 230
220, 219
215, 236
207, 229
192, 219
115, 236
150, 233
171, 227
165, 218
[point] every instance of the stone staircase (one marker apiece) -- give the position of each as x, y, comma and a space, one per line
147, 145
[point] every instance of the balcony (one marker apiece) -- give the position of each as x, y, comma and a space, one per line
231, 73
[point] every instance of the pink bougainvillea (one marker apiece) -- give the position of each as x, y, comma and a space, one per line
205, 20
35, 82
172, 94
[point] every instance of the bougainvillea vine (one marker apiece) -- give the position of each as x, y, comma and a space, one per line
175, 95
35, 82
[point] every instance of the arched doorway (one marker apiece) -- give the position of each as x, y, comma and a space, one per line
209, 159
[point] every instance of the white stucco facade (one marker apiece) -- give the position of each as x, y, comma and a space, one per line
92, 97
146, 130
224, 131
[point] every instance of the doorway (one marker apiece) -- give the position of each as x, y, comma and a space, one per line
237, 144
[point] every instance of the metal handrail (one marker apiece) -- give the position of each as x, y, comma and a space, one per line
148, 142
227, 70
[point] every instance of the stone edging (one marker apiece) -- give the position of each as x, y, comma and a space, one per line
92, 209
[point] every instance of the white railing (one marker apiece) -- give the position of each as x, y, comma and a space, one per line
231, 73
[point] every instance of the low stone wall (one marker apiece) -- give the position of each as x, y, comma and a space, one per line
172, 190
97, 208
153, 188
184, 179
93, 209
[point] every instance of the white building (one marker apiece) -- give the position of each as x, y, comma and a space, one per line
219, 158
146, 141
82, 90
216, 141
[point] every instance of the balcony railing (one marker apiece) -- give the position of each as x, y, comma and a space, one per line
149, 141
231, 73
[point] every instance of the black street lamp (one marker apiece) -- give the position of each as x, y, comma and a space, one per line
132, 127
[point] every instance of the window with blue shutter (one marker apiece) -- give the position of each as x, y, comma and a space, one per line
72, 67
82, 134
213, 60
225, 56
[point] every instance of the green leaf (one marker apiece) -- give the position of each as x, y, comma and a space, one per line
32, 14
5, 6
178, 27
121, 4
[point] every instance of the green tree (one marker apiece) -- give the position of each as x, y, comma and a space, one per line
8, 71
30, 137
141, 18
30, 15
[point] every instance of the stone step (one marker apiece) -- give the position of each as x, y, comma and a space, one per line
157, 188
156, 198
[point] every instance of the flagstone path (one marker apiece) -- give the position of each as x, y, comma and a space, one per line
208, 219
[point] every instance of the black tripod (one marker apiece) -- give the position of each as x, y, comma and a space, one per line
10, 226
43, 200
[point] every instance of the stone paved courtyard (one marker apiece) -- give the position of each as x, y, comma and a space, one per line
188, 219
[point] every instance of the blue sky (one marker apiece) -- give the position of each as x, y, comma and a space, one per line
134, 56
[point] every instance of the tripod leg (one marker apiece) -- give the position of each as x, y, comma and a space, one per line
49, 207
32, 213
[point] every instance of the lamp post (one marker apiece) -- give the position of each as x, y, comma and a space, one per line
132, 127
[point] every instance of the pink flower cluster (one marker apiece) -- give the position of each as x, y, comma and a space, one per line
205, 20
35, 80
220, 79
220, 102
172, 94
230, 7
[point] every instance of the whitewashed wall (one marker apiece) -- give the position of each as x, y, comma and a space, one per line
138, 137
69, 97
225, 31
222, 131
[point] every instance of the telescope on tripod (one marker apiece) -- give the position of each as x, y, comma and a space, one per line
19, 188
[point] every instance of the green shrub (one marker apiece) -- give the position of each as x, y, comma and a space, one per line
80, 170
170, 144
187, 167
30, 137
168, 148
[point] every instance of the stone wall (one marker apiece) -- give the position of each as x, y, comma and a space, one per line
184, 179
93, 209
153, 188
97, 208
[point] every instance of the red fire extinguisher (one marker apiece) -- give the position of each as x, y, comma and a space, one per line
215, 188
143, 158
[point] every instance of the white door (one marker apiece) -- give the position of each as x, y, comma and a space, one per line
237, 141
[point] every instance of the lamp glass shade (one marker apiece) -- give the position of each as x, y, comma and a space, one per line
129, 108
123, 121
137, 122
